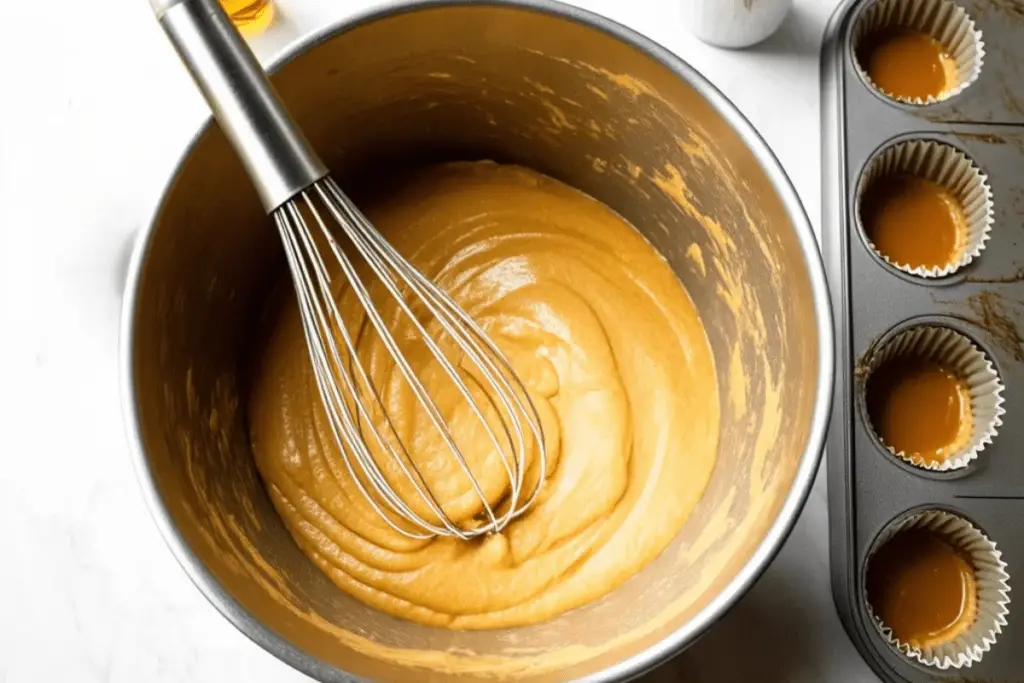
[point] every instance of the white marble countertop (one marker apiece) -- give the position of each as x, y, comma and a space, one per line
96, 109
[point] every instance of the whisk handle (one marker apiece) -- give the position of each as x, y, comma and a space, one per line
277, 156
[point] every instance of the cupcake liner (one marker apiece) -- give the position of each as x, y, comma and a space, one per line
947, 167
958, 353
992, 583
943, 20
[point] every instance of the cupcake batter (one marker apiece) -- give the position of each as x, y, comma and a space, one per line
914, 222
922, 588
909, 65
613, 354
920, 409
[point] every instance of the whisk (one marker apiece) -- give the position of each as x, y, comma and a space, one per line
309, 209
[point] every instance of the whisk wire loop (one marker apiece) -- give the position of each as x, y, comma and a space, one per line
352, 400
343, 427
291, 180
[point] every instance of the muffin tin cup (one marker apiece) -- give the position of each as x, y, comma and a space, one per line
959, 354
943, 20
991, 576
948, 168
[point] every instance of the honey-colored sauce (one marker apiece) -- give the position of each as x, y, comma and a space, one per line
919, 408
914, 222
908, 64
251, 16
923, 588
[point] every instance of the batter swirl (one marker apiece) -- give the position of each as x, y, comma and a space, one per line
615, 359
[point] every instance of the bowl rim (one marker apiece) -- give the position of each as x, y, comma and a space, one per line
803, 479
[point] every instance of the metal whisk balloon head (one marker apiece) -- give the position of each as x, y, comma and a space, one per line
435, 428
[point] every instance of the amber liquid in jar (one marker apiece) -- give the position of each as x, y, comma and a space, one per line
252, 16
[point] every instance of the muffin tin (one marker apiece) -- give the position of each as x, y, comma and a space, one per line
869, 488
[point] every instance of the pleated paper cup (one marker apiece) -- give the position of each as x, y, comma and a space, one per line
943, 20
993, 590
957, 353
951, 170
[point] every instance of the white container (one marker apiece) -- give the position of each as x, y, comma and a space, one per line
734, 23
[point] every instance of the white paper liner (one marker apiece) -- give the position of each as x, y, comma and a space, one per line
949, 168
943, 20
959, 354
992, 582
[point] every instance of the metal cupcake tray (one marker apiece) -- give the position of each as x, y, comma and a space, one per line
869, 488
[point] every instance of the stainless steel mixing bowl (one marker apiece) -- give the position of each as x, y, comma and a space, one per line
586, 101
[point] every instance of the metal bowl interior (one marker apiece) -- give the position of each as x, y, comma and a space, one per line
580, 99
